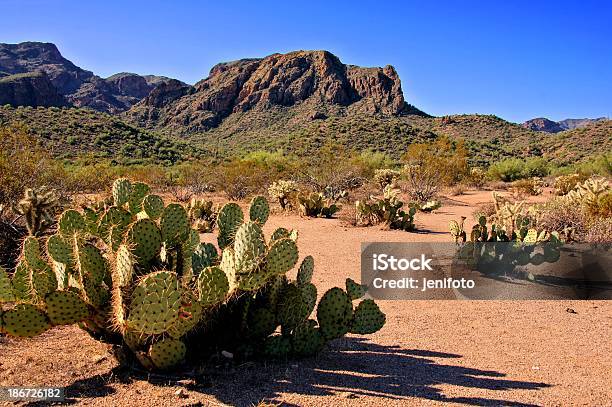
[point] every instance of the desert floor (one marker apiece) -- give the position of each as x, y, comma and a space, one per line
478, 353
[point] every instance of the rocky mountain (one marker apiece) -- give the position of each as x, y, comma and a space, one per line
306, 85
543, 124
29, 89
570, 124
43, 74
549, 126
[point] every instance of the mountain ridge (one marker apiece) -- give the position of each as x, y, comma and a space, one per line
78, 87
550, 126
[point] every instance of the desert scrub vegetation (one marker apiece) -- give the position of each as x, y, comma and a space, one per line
430, 166
134, 274
72, 132
514, 169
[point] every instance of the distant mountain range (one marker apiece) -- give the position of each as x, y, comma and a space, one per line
549, 126
296, 102
36, 74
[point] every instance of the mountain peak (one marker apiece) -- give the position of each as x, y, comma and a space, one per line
317, 80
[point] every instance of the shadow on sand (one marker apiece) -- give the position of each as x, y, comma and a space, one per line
353, 368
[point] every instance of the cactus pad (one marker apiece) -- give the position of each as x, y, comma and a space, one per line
259, 210
277, 347
137, 195
279, 233
121, 191
174, 224
368, 318
6, 288
190, 313
92, 263
70, 223
262, 322
65, 307
213, 286
25, 320
291, 309
249, 247
167, 353
153, 206
21, 282
60, 249
309, 295
156, 303
204, 255
281, 257
354, 290
124, 266
43, 282
334, 313
306, 339
228, 221
305, 271
145, 239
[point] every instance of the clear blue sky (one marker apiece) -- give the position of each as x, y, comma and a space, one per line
515, 59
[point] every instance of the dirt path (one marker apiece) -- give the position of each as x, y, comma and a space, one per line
429, 353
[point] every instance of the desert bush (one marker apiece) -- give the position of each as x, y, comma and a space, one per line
143, 283
477, 177
456, 190
430, 166
422, 183
331, 172
24, 164
600, 231
566, 217
368, 162
284, 192
528, 186
386, 176
513, 169
563, 184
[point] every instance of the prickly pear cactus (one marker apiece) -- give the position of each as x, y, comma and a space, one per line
132, 272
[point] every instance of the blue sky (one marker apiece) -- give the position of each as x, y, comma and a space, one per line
515, 59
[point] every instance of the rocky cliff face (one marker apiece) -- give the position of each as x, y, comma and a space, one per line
29, 89
314, 78
77, 86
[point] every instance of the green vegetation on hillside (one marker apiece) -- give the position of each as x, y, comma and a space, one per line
73, 132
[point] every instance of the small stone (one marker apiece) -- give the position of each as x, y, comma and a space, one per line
570, 310
181, 393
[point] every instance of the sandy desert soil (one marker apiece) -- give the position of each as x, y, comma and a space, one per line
481, 353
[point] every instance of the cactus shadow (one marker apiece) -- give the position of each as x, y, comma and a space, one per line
355, 368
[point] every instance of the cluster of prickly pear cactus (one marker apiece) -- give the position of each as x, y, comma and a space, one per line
133, 273
284, 192
386, 210
315, 204
37, 208
202, 214
523, 231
